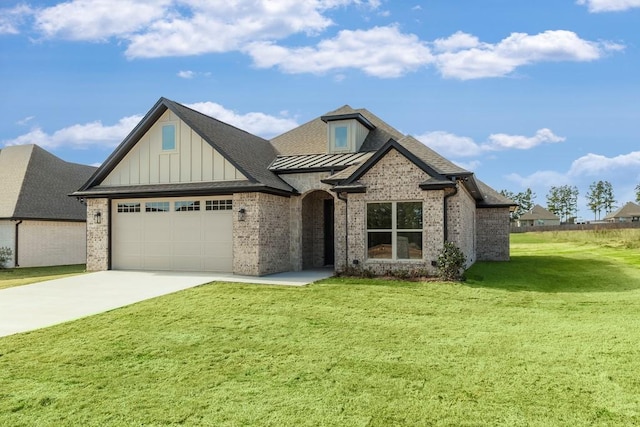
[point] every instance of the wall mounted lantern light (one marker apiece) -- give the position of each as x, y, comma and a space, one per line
97, 217
242, 213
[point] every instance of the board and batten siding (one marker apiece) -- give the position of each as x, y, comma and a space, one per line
193, 160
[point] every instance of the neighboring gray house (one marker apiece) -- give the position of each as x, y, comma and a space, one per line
628, 213
185, 191
39, 222
538, 216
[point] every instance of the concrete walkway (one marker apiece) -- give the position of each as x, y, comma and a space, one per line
35, 306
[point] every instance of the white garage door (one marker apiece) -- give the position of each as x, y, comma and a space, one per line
188, 234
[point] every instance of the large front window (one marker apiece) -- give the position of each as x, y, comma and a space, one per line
394, 230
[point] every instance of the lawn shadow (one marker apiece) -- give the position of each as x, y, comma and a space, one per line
553, 274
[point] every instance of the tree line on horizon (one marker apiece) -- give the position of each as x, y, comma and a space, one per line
563, 200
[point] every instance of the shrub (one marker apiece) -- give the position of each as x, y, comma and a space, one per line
5, 255
451, 262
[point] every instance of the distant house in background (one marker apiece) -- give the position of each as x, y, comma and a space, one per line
628, 213
39, 222
538, 216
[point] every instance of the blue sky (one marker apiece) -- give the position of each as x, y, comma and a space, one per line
525, 94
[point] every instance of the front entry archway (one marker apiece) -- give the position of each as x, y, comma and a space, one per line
318, 230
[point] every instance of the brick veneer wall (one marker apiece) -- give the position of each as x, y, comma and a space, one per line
97, 235
261, 242
492, 234
395, 178
461, 216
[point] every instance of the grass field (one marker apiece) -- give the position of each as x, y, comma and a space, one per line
24, 276
551, 338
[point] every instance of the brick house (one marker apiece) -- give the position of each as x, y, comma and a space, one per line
39, 223
185, 191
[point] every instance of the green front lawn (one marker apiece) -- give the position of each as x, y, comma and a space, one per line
551, 338
24, 276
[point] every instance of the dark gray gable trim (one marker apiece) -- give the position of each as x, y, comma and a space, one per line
437, 185
141, 128
154, 193
351, 116
486, 206
392, 144
353, 188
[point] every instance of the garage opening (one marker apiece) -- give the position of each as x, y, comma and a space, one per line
184, 234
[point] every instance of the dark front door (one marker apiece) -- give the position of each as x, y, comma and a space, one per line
329, 253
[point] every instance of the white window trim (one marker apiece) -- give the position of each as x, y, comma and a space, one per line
394, 232
332, 137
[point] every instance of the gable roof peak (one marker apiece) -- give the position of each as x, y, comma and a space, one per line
346, 108
248, 153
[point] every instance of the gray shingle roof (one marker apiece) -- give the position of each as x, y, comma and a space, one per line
301, 149
311, 137
46, 181
491, 198
538, 212
629, 210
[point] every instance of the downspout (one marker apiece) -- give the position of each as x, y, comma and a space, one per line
346, 229
446, 216
15, 252
109, 233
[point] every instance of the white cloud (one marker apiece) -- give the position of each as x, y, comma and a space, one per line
25, 121
96, 134
595, 164
12, 19
457, 41
157, 28
80, 136
386, 52
464, 57
257, 123
97, 20
540, 179
596, 6
187, 74
451, 145
161, 28
381, 52
501, 141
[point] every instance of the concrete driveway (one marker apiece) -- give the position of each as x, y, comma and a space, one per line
29, 307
